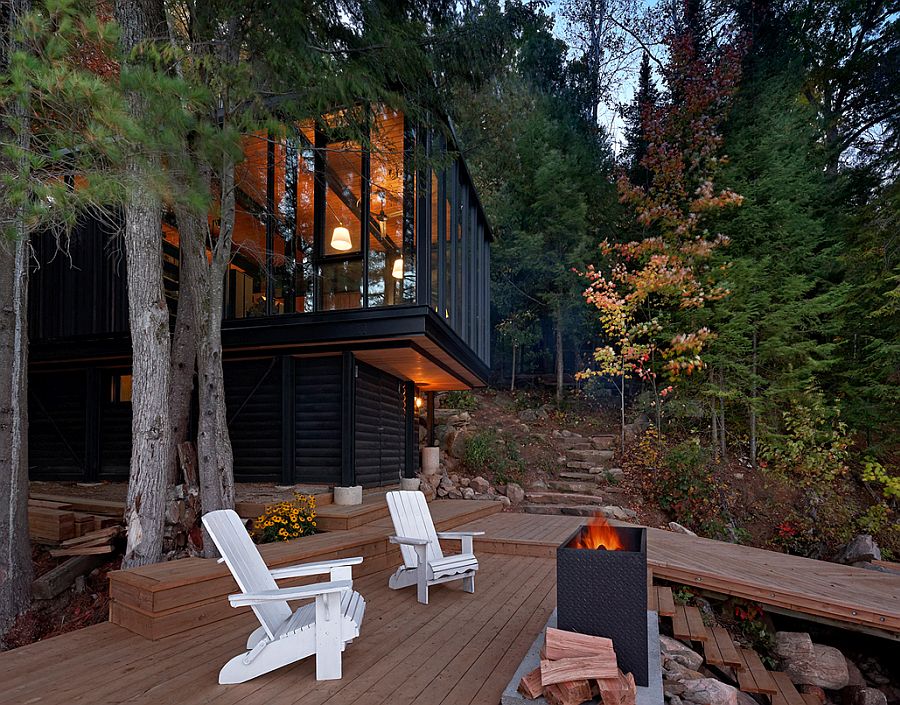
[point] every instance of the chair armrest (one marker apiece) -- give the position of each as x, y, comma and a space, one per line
409, 541
302, 569
284, 594
458, 534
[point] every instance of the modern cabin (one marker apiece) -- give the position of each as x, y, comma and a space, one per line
359, 284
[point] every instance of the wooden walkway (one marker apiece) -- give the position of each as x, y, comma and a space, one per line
843, 594
459, 649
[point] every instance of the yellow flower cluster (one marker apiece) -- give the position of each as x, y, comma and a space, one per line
287, 520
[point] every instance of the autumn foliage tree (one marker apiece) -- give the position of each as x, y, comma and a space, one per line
645, 281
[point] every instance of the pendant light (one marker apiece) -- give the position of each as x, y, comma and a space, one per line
340, 239
397, 272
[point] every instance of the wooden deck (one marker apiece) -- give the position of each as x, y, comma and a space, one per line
842, 594
459, 649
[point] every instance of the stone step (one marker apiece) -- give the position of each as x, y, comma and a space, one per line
594, 456
572, 486
580, 465
589, 476
604, 442
561, 498
577, 510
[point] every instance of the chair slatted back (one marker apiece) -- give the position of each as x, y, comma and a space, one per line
412, 519
246, 565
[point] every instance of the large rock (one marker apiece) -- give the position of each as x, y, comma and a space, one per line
856, 676
480, 485
869, 696
468, 493
861, 549
679, 529
515, 493
709, 691
457, 446
811, 664
528, 415
677, 651
675, 671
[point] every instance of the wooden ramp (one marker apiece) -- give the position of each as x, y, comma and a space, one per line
851, 597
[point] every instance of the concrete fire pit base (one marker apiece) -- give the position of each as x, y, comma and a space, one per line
651, 695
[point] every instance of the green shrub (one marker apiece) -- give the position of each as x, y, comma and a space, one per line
465, 401
487, 452
683, 485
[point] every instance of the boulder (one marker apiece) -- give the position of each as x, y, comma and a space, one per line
457, 447
861, 549
528, 415
515, 493
675, 671
813, 690
869, 696
679, 529
746, 698
504, 501
468, 493
677, 651
446, 483
856, 676
811, 664
480, 485
613, 512
709, 691
455, 493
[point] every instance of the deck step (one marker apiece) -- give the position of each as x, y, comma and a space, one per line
727, 650
753, 676
787, 694
680, 627
665, 603
696, 626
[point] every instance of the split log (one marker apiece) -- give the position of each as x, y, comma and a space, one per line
530, 685
568, 693
53, 582
619, 690
187, 459
92, 536
559, 644
81, 551
574, 669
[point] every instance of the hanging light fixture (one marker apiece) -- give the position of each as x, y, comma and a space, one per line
397, 272
340, 239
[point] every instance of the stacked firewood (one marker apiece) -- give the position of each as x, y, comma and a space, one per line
90, 544
576, 668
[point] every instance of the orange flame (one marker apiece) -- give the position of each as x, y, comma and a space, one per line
598, 534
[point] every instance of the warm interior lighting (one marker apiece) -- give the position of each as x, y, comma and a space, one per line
599, 534
397, 272
419, 402
340, 239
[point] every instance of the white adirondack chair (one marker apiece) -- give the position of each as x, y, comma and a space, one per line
323, 627
424, 563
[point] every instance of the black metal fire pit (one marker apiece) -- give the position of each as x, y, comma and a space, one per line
604, 593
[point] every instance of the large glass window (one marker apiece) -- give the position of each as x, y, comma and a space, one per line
341, 268
435, 213
249, 271
294, 235
388, 265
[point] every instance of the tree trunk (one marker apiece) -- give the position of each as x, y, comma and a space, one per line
206, 277
559, 355
753, 404
512, 382
722, 441
622, 406
140, 21
16, 570
181, 380
715, 427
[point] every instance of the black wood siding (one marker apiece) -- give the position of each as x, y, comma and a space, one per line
115, 433
317, 421
380, 433
253, 397
56, 429
81, 290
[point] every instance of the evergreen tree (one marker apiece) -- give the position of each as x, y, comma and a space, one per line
645, 99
